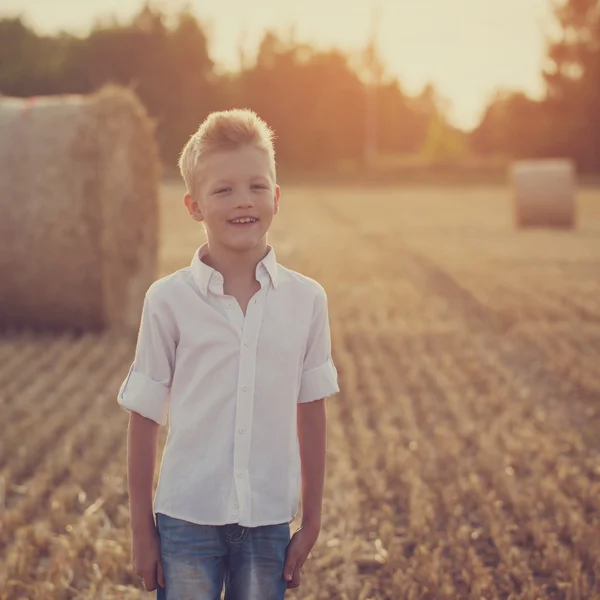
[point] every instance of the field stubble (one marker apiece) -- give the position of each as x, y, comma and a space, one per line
464, 453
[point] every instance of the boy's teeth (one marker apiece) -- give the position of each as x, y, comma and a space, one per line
247, 220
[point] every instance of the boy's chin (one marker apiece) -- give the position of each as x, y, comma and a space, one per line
243, 245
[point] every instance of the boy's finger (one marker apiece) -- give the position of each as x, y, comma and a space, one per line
160, 575
295, 581
291, 559
149, 581
288, 570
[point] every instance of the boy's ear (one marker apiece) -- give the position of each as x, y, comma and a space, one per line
193, 208
276, 199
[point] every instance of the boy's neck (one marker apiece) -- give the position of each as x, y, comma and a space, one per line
235, 266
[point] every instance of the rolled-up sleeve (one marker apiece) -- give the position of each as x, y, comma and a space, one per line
146, 388
319, 375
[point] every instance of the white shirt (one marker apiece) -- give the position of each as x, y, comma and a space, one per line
230, 385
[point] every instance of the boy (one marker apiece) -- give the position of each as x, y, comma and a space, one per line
236, 350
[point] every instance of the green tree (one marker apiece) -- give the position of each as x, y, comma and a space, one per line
167, 64
168, 67
515, 126
313, 100
573, 81
317, 102
441, 142
403, 123
31, 64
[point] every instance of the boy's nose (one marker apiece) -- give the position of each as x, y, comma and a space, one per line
245, 199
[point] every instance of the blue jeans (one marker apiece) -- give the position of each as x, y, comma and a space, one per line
198, 559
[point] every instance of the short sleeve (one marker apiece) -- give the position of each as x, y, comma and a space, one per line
319, 375
146, 388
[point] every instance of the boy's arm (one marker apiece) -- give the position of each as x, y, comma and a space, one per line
312, 438
312, 435
146, 388
142, 446
145, 394
319, 380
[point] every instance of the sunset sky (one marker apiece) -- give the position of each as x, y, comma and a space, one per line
468, 48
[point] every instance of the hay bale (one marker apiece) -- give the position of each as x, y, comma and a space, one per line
544, 193
79, 185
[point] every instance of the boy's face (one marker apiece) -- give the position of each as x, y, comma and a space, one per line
234, 185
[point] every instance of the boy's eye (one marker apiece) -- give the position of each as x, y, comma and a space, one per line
260, 186
221, 190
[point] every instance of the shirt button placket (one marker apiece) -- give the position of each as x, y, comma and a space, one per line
245, 403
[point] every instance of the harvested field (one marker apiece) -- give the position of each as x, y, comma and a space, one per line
464, 448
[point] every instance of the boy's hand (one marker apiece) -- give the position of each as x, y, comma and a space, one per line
298, 550
145, 552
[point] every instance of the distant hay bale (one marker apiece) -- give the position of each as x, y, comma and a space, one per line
544, 193
79, 185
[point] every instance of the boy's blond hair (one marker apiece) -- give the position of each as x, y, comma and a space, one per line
225, 130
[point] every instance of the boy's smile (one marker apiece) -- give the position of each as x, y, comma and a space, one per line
243, 221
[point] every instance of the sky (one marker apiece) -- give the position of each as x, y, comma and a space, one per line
467, 48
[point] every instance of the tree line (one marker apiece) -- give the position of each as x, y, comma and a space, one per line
318, 101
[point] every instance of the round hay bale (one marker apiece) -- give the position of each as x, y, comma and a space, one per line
544, 193
79, 187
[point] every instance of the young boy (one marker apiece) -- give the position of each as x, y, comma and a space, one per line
235, 349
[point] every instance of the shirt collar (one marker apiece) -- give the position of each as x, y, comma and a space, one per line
203, 273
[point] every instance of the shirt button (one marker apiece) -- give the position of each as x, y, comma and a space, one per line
245, 389
239, 473
242, 430
246, 343
230, 305
235, 505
